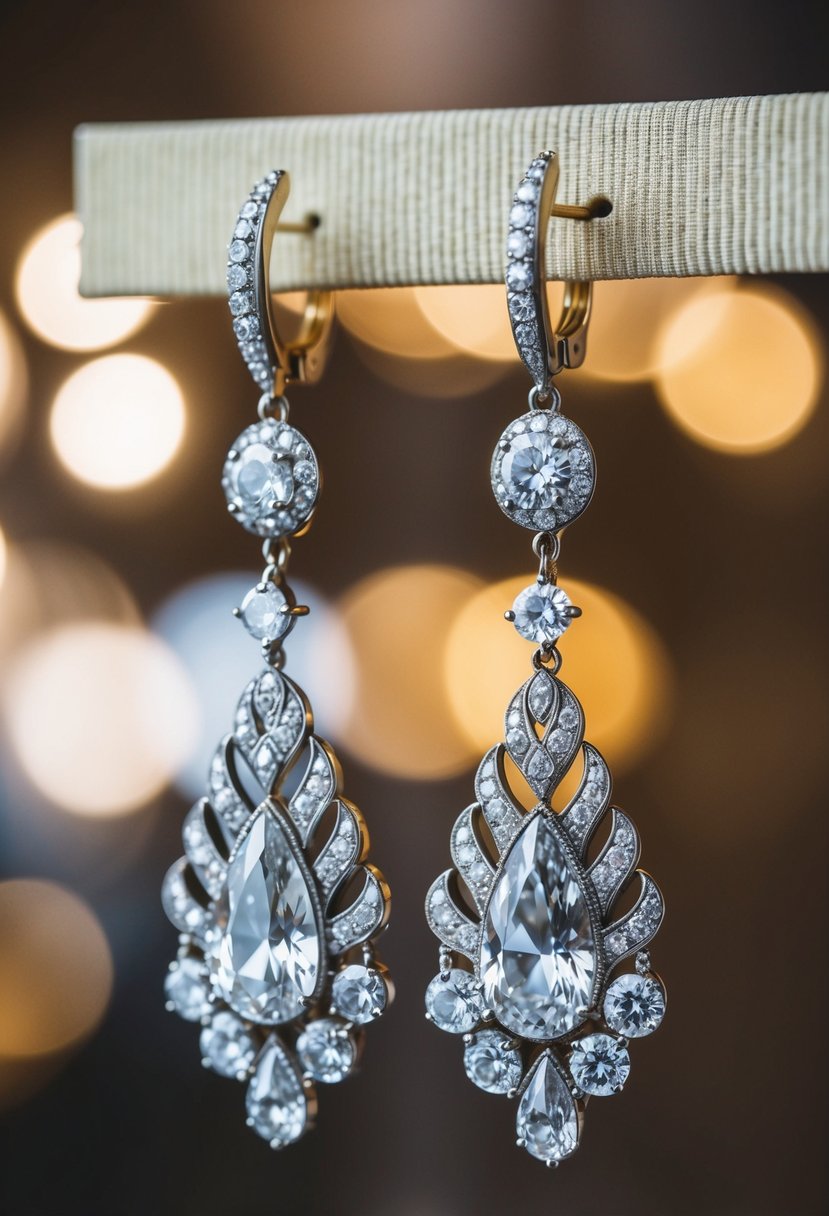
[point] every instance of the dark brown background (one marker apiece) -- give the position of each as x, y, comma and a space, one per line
725, 557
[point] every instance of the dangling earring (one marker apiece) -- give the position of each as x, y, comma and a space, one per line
530, 949
276, 956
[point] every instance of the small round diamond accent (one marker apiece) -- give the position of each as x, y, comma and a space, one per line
634, 1005
492, 1063
227, 1046
533, 467
542, 613
599, 1065
271, 479
359, 994
453, 1001
187, 989
264, 613
326, 1051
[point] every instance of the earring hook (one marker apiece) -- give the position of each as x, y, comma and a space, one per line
272, 360
545, 349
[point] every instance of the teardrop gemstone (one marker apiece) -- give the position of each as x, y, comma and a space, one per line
547, 1122
538, 953
267, 961
277, 1107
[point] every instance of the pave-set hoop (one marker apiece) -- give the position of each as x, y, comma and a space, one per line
271, 360
545, 350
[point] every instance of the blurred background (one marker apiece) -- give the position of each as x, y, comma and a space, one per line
701, 657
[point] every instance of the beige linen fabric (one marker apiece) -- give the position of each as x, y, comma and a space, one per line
730, 186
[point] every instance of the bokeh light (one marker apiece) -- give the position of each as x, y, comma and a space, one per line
118, 421
101, 716
220, 658
622, 342
13, 383
51, 583
752, 383
398, 621
473, 318
55, 969
47, 280
612, 659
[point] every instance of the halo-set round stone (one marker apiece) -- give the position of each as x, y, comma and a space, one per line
271, 479
543, 471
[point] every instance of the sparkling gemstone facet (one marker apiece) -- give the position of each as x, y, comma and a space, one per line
542, 613
266, 964
264, 613
599, 1064
227, 1046
326, 1050
547, 1121
276, 1106
536, 471
358, 994
492, 1062
634, 1005
271, 479
538, 955
187, 989
453, 1001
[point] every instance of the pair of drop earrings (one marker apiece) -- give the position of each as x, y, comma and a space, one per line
277, 907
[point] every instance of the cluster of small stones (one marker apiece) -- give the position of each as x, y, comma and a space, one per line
181, 907
548, 511
501, 816
616, 862
636, 929
471, 863
224, 799
313, 791
240, 272
361, 921
201, 850
270, 450
338, 853
522, 238
591, 799
448, 924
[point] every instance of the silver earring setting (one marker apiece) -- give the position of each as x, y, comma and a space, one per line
276, 906
531, 951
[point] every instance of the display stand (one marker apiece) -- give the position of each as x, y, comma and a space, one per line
732, 186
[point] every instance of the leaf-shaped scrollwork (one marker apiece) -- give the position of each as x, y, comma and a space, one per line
365, 917
470, 856
544, 755
636, 928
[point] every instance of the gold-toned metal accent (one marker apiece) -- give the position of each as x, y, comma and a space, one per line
566, 343
300, 359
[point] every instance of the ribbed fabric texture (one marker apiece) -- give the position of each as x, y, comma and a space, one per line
731, 186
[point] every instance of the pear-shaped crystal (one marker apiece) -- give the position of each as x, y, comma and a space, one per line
547, 1123
276, 1104
267, 963
538, 953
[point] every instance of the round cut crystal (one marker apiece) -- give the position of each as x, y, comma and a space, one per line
326, 1050
547, 1123
492, 1062
538, 953
238, 251
264, 613
271, 479
237, 277
277, 1109
536, 471
266, 963
518, 276
227, 1046
599, 1065
359, 994
542, 613
453, 1001
634, 1005
187, 989
543, 469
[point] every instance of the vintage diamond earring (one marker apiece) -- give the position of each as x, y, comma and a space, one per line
276, 956
530, 947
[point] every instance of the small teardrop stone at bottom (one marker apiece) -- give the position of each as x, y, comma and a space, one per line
547, 1122
276, 1104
